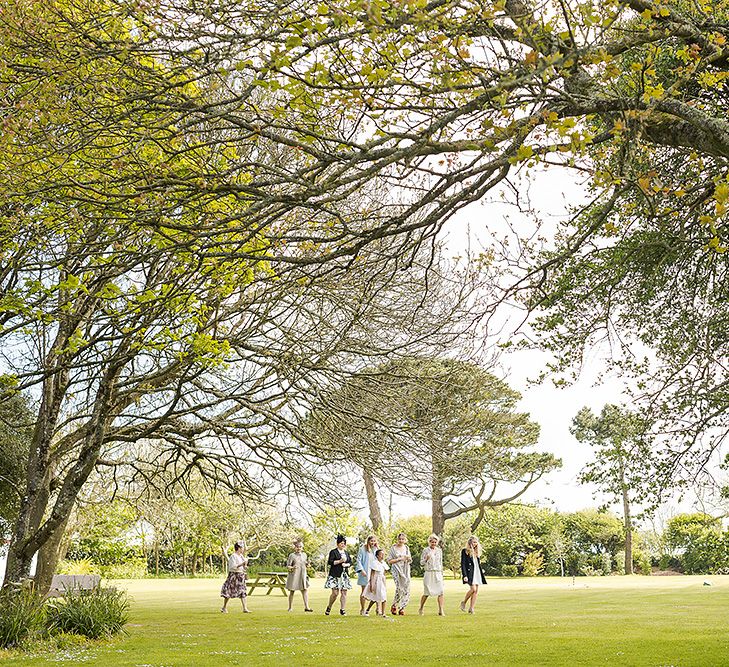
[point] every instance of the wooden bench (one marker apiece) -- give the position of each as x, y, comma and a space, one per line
270, 579
64, 583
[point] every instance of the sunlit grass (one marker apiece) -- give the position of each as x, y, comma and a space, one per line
657, 621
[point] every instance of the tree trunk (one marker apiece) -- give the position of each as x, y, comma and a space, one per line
437, 507
628, 533
48, 556
375, 514
156, 557
626, 518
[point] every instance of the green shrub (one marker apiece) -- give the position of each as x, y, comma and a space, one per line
641, 562
509, 570
533, 564
132, 569
21, 615
80, 566
607, 564
664, 562
102, 612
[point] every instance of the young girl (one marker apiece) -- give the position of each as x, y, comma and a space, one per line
298, 579
376, 591
235, 584
432, 562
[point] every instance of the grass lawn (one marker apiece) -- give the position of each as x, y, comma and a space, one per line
636, 620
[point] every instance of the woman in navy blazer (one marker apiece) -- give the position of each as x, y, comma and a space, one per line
339, 562
472, 572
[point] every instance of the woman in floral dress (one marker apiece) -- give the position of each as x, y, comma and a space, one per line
235, 584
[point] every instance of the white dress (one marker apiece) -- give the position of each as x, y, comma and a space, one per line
477, 578
377, 572
432, 562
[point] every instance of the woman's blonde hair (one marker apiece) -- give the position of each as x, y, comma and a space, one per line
367, 542
469, 547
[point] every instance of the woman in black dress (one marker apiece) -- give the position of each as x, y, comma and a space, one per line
339, 562
472, 572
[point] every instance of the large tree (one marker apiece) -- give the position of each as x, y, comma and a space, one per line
180, 178
432, 428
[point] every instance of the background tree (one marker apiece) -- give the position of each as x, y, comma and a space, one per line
621, 467
433, 428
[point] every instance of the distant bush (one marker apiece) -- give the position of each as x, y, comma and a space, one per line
21, 615
80, 566
133, 569
509, 570
641, 562
533, 564
664, 561
102, 612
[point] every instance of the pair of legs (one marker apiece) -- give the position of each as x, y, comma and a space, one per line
304, 594
402, 596
471, 595
379, 607
362, 599
242, 601
423, 600
333, 598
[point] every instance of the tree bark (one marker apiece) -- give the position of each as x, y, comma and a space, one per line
437, 506
371, 490
628, 533
48, 556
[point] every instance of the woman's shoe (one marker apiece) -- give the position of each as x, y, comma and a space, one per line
342, 612
470, 611
393, 610
223, 610
326, 612
463, 606
401, 612
308, 610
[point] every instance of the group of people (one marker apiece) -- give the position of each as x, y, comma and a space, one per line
370, 568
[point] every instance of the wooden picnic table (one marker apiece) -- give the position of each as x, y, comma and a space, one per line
270, 579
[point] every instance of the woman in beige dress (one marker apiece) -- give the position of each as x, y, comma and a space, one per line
433, 584
298, 580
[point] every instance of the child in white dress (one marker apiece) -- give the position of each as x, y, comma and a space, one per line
376, 591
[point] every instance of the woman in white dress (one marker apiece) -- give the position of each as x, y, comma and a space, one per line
472, 572
298, 579
376, 591
399, 559
432, 562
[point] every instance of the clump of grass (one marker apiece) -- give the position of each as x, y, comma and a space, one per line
102, 612
21, 616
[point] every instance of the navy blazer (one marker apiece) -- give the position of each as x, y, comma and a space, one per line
338, 569
467, 568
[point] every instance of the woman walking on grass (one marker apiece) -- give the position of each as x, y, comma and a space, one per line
298, 579
365, 558
235, 584
432, 562
399, 559
339, 562
472, 572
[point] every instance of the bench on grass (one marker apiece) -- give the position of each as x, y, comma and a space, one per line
65, 583
271, 580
